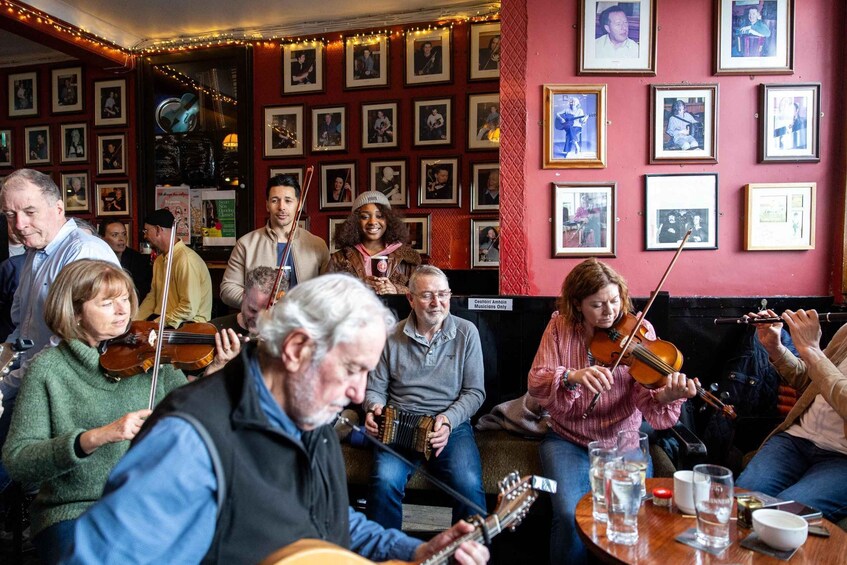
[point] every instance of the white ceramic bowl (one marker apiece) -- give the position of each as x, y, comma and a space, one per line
779, 529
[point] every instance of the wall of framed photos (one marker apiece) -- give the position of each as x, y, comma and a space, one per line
339, 93
748, 149
76, 123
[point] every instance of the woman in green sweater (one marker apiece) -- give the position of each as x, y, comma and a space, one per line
72, 422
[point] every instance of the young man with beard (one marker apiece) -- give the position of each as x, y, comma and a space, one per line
266, 246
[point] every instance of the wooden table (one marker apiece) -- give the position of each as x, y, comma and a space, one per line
658, 528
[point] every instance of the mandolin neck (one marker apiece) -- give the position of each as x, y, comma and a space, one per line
443, 556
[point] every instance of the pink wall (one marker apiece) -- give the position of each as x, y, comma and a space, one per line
685, 47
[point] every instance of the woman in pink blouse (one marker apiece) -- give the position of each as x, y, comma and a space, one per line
564, 378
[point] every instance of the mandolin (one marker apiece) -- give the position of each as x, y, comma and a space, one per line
516, 496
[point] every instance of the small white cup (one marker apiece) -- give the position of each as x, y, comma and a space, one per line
683, 491
780, 530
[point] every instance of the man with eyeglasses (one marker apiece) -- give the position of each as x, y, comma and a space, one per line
431, 365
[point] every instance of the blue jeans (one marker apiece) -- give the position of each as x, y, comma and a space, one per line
458, 466
567, 464
52, 542
794, 468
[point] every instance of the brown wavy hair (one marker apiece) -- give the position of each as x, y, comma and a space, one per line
348, 234
584, 280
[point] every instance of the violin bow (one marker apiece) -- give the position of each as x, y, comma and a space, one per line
639, 320
159, 338
307, 181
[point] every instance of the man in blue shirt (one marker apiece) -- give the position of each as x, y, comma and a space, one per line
35, 211
234, 466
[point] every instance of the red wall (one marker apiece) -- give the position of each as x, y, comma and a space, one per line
450, 226
685, 53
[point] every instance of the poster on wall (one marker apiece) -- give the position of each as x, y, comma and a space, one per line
218, 217
175, 199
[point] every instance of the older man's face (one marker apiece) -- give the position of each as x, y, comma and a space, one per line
430, 311
35, 220
618, 27
253, 304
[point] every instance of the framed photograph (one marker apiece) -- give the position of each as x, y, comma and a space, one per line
485, 187
484, 60
110, 102
485, 243
429, 56
74, 143
678, 203
67, 94
380, 125
37, 145
296, 172
23, 94
283, 131
75, 190
584, 219
754, 37
111, 154
329, 129
366, 61
439, 182
433, 122
683, 123
484, 121
392, 179
790, 123
303, 67
617, 37
420, 232
112, 198
780, 216
6, 148
338, 186
333, 224
574, 126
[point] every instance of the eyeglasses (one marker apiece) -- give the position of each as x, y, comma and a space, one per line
428, 295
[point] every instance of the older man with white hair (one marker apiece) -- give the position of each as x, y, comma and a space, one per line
239, 464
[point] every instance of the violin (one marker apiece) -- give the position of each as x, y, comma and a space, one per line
190, 348
649, 360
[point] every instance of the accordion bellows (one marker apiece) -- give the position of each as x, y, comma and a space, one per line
403, 429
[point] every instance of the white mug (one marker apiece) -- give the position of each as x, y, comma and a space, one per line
683, 491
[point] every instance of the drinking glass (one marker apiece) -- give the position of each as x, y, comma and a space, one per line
599, 454
634, 447
713, 503
623, 499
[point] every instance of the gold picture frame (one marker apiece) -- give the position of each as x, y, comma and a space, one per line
574, 126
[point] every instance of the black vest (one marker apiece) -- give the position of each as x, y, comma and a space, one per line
276, 490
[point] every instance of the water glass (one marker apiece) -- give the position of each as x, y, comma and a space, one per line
634, 447
623, 499
713, 503
599, 454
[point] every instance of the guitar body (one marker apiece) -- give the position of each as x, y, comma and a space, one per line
317, 552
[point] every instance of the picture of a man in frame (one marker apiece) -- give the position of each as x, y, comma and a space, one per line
380, 125
616, 32
75, 193
112, 152
284, 131
38, 145
489, 56
110, 104
303, 67
489, 244
489, 187
68, 89
684, 123
366, 60
433, 122
754, 28
23, 94
439, 182
74, 143
789, 123
428, 57
488, 121
329, 129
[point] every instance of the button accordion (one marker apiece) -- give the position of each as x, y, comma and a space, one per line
411, 431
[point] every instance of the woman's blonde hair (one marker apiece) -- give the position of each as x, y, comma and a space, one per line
77, 283
584, 280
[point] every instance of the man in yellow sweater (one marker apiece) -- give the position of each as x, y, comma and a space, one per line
190, 294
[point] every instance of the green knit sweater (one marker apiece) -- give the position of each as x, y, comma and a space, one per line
64, 394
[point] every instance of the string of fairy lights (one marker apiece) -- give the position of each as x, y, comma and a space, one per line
265, 38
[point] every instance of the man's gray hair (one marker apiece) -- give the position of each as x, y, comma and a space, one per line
332, 309
16, 181
262, 278
425, 271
